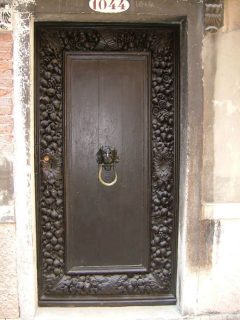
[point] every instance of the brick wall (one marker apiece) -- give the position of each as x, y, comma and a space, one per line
6, 125
6, 84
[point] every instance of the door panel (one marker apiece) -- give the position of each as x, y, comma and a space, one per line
113, 86
107, 103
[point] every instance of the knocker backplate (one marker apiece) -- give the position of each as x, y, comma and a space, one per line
157, 284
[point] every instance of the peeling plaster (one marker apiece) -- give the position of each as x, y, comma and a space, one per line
8, 279
5, 17
6, 187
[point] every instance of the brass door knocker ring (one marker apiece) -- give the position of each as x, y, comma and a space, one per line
107, 158
100, 178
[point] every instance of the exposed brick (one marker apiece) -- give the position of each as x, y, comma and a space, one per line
5, 110
5, 65
5, 55
6, 44
5, 119
6, 37
5, 102
6, 87
6, 141
6, 83
6, 48
7, 93
6, 129
6, 74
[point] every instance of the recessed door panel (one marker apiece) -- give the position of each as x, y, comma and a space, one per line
107, 104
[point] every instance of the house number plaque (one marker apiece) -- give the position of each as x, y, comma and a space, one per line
109, 6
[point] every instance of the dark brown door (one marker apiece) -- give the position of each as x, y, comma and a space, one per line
107, 104
106, 101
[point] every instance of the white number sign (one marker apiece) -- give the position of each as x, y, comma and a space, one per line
109, 6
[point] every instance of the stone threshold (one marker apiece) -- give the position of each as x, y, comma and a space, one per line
124, 313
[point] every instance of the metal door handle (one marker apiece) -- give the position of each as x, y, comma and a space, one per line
107, 158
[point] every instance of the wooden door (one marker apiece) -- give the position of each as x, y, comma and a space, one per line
102, 88
107, 104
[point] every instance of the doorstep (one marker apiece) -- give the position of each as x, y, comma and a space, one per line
109, 313
124, 313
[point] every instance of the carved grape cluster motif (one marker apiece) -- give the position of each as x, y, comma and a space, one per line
53, 43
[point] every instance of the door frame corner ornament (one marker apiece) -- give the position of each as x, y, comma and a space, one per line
213, 15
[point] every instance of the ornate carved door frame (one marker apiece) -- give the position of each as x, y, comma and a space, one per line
158, 285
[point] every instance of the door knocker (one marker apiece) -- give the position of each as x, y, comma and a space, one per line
107, 158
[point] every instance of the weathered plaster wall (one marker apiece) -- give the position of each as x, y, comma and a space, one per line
219, 286
222, 88
8, 276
